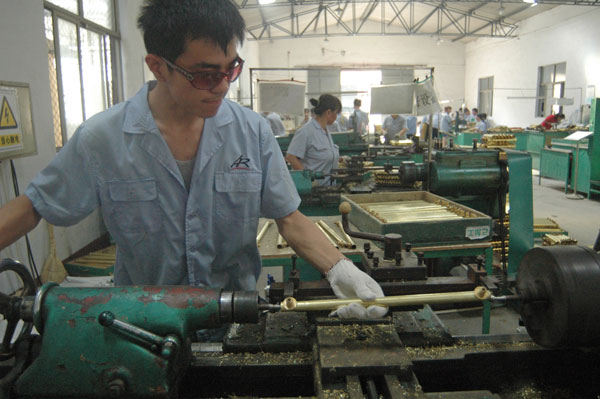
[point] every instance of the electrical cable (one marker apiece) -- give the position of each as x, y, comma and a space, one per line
32, 265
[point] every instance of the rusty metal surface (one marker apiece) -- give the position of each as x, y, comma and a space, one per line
421, 328
277, 332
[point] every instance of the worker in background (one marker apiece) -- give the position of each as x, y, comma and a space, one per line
358, 120
307, 116
411, 126
552, 121
473, 117
445, 120
181, 174
342, 122
394, 127
334, 127
312, 147
481, 124
434, 125
276, 123
466, 115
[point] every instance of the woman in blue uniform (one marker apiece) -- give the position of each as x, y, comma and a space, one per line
312, 147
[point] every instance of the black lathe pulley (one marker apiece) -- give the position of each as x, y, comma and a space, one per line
560, 292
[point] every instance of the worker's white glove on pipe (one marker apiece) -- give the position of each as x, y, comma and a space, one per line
347, 281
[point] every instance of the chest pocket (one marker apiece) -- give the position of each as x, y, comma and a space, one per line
321, 150
238, 195
135, 205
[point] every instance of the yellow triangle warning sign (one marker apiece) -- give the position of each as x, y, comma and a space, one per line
7, 118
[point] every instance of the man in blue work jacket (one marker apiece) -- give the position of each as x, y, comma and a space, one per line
180, 174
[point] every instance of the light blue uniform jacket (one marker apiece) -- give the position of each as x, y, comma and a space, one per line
118, 161
316, 149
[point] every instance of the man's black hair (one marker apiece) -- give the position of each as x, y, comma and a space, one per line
167, 25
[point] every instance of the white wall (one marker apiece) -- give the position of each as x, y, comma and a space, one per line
132, 48
364, 51
563, 34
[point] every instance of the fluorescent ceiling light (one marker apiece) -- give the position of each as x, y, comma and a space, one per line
266, 1
529, 1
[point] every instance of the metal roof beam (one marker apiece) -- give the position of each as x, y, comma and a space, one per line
420, 24
339, 20
244, 3
367, 14
398, 14
262, 16
499, 20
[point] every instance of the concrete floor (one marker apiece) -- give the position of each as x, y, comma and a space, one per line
579, 217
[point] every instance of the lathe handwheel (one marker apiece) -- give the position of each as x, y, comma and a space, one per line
9, 266
560, 287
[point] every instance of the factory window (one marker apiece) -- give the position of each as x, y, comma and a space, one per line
551, 87
83, 49
485, 100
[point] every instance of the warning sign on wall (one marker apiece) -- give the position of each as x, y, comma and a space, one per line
10, 133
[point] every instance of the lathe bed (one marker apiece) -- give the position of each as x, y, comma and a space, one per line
411, 355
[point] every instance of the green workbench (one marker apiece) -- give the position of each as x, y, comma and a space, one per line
576, 162
533, 141
466, 138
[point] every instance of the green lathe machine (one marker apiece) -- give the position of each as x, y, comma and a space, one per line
135, 342
481, 180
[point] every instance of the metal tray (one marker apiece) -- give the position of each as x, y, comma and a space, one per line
459, 225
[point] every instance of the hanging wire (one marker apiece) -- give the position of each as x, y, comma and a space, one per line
32, 265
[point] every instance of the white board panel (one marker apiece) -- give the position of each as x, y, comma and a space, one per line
392, 99
285, 98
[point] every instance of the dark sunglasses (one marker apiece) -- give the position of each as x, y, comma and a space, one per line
208, 80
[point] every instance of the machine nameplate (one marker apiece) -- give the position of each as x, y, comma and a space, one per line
477, 232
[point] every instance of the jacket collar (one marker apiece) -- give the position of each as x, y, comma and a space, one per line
139, 120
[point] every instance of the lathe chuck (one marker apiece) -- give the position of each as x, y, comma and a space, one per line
560, 292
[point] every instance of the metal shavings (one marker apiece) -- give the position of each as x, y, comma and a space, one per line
335, 394
534, 391
262, 357
436, 352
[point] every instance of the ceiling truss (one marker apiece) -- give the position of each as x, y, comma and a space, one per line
315, 18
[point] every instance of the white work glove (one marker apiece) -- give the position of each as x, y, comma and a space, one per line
347, 281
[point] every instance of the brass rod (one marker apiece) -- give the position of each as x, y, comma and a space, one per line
326, 235
262, 232
332, 233
478, 294
347, 238
281, 243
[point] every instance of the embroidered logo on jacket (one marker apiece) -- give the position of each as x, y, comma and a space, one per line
241, 163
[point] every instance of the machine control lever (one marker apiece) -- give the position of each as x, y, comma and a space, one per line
392, 242
165, 346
